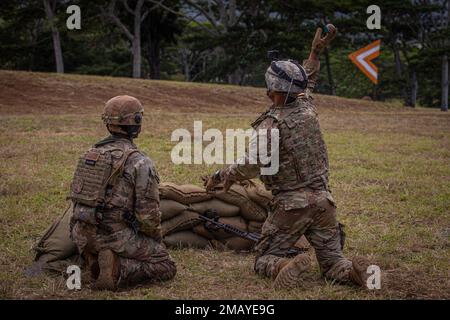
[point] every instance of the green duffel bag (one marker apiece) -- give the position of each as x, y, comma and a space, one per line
56, 244
185, 239
55, 266
55, 250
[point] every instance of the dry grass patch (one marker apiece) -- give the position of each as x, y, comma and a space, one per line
390, 175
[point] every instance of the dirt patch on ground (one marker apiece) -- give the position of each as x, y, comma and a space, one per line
25, 93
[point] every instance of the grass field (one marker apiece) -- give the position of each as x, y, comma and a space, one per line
390, 175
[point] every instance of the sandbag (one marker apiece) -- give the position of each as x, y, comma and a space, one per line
184, 221
223, 209
258, 194
201, 230
255, 226
170, 208
238, 197
56, 244
185, 239
239, 244
185, 194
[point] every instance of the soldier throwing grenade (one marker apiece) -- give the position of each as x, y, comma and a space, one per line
302, 202
116, 217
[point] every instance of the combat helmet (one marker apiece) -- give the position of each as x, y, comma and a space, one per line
123, 115
286, 76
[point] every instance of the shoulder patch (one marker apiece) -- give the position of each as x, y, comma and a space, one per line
91, 157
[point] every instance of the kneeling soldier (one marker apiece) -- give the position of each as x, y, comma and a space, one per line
116, 222
302, 202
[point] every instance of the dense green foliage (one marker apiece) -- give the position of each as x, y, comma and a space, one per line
227, 41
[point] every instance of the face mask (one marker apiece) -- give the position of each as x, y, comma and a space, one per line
132, 130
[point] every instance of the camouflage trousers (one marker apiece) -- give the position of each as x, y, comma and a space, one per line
142, 259
297, 213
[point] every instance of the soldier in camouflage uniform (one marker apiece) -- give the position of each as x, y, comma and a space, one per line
302, 202
116, 218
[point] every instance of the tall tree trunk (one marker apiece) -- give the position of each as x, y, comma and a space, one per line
232, 12
154, 59
184, 57
413, 97
153, 55
399, 72
34, 36
329, 73
187, 72
49, 11
137, 59
444, 80
136, 43
444, 100
133, 36
374, 92
235, 77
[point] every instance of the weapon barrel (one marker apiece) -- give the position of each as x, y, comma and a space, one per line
231, 229
253, 236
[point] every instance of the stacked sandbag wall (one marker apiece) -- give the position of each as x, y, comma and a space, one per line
244, 206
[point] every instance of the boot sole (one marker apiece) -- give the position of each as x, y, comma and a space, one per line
359, 267
291, 274
107, 279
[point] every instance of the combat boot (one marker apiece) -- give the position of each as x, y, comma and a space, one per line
358, 274
290, 274
283, 262
109, 265
91, 269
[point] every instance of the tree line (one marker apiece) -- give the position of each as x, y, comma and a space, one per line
226, 41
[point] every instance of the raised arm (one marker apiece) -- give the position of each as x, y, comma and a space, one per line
312, 64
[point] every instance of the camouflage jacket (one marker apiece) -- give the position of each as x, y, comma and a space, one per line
133, 193
302, 154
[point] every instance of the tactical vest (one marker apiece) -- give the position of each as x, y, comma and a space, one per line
96, 172
303, 159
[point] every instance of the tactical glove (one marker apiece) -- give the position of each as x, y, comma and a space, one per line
210, 182
319, 43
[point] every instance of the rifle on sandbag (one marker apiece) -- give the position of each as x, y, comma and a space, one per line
212, 223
